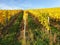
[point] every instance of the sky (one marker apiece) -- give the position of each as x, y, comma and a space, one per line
28, 4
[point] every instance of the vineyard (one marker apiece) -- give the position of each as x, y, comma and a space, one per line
30, 27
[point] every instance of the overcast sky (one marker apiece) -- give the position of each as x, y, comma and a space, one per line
28, 4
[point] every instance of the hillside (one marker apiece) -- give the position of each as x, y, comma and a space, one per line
30, 27
53, 12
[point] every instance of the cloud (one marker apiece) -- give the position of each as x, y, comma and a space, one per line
13, 4
5, 6
28, 4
